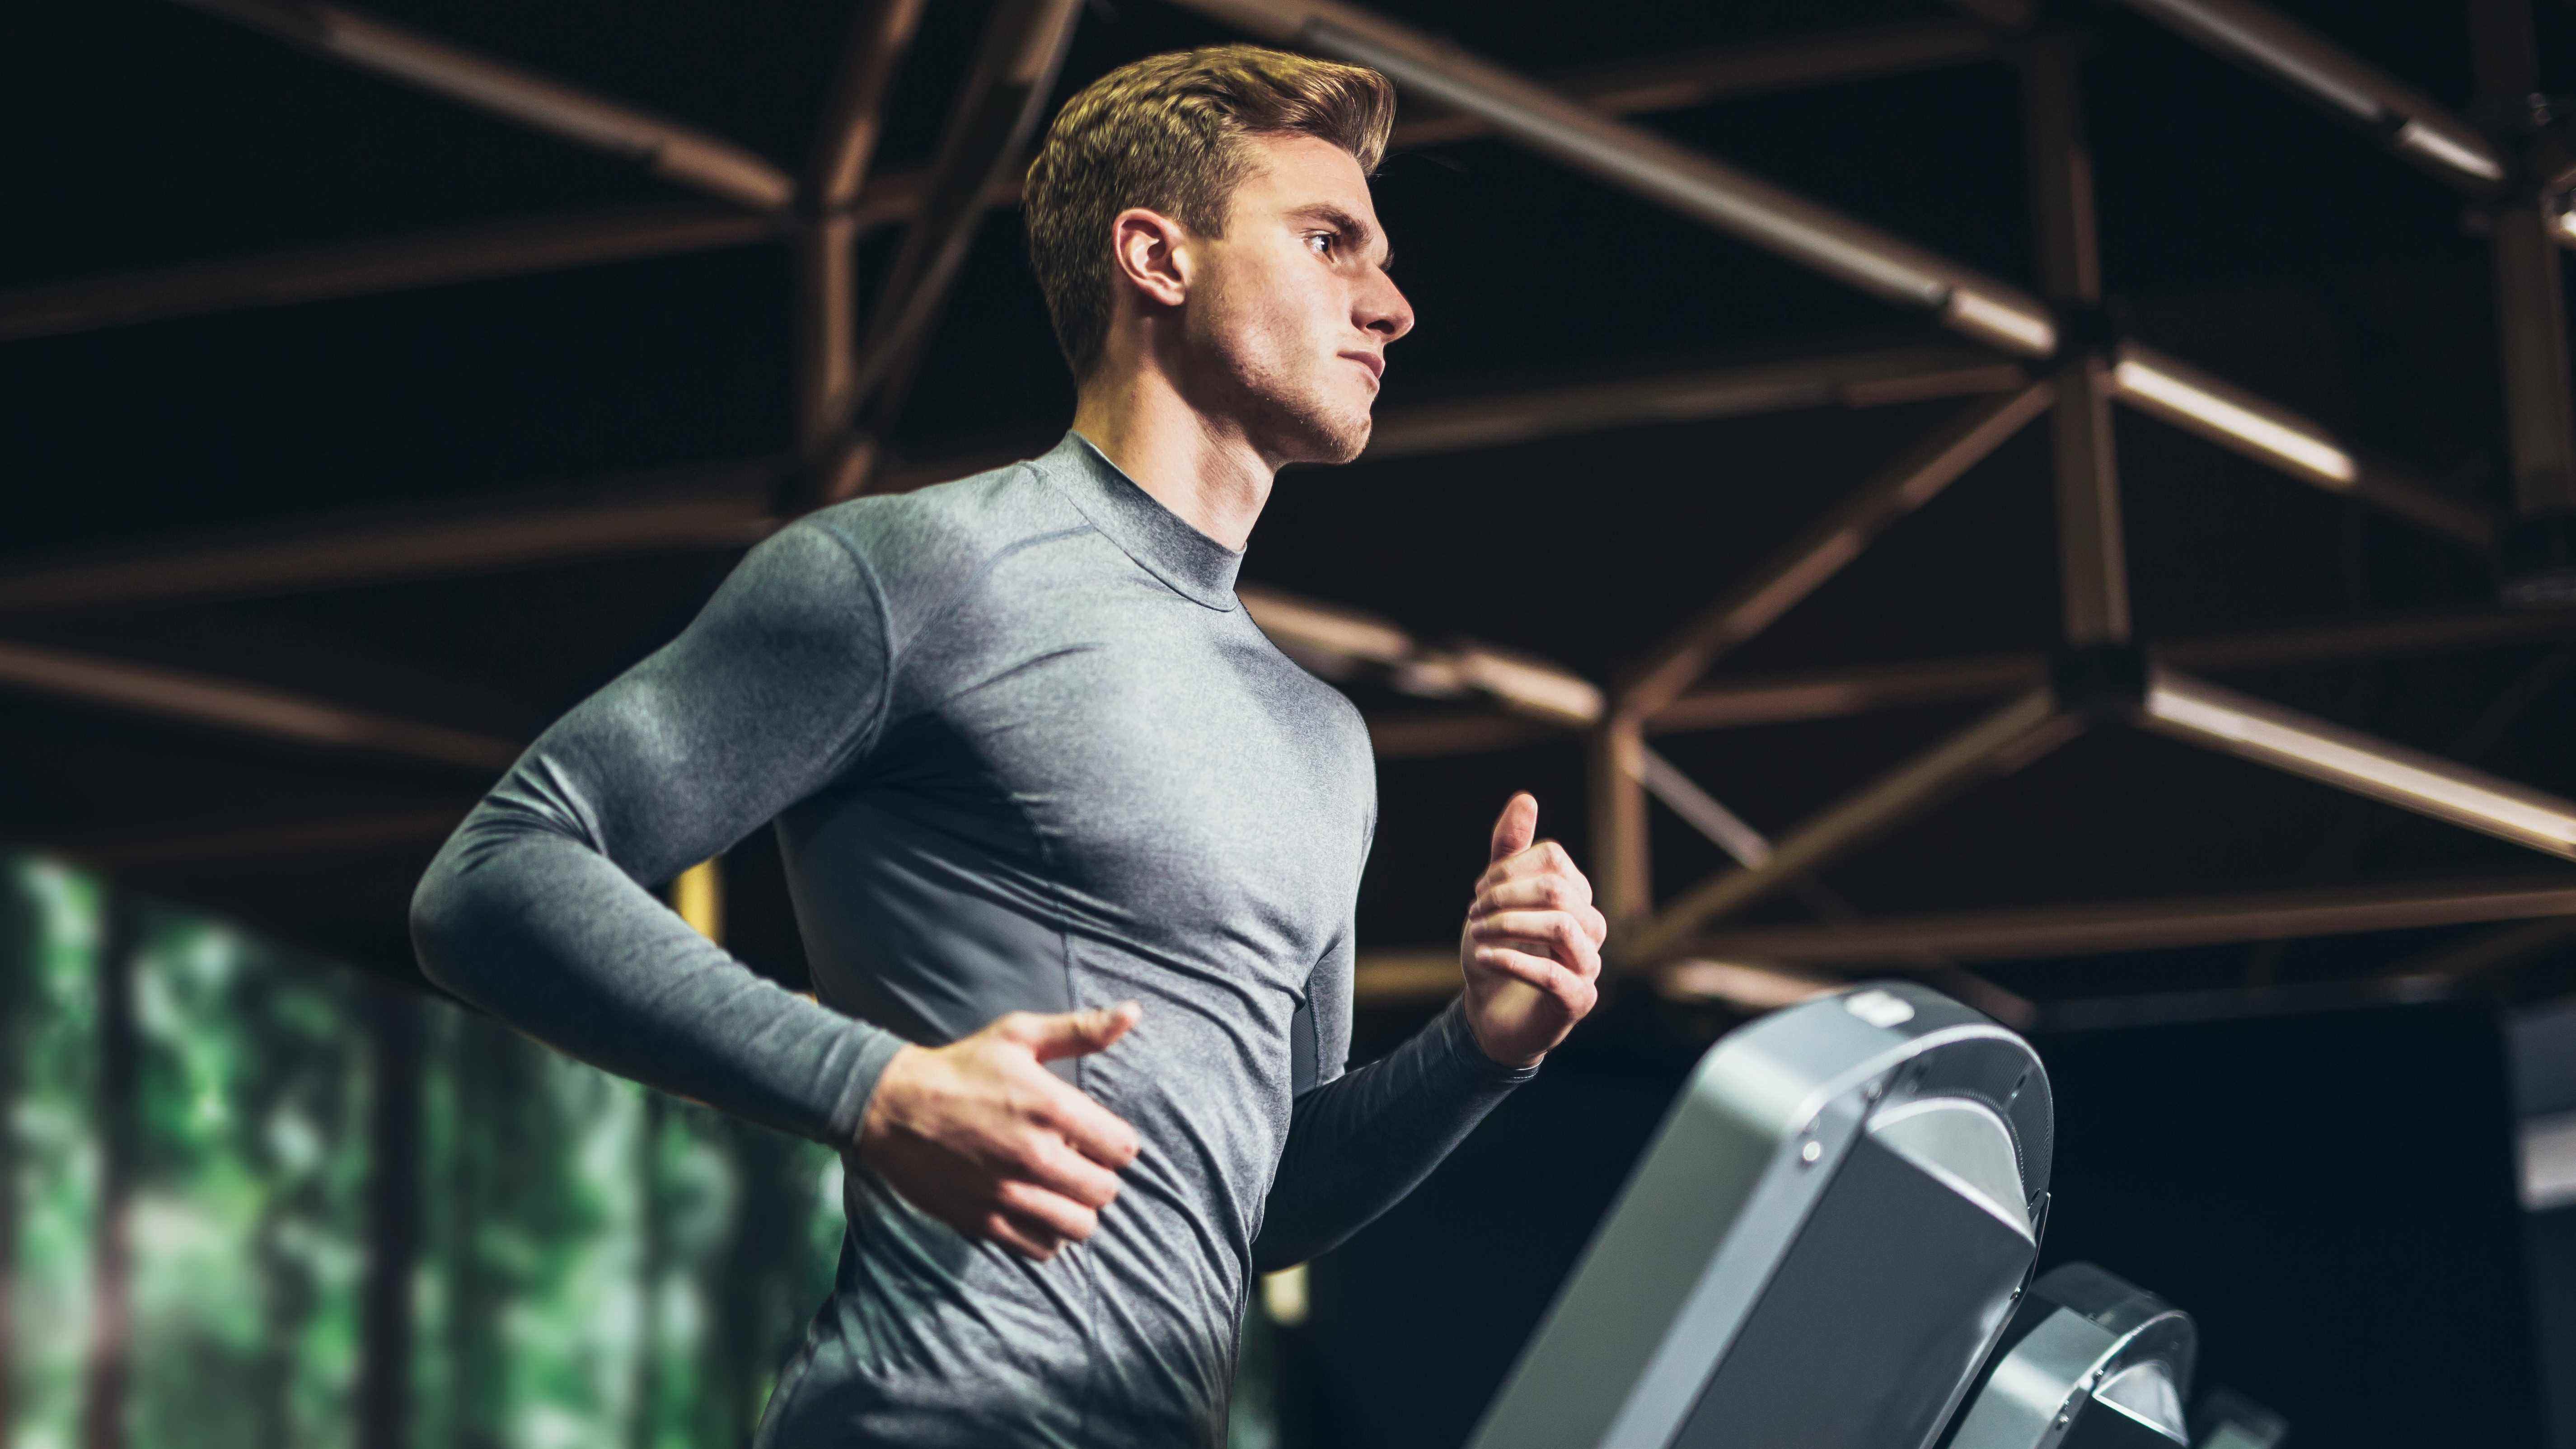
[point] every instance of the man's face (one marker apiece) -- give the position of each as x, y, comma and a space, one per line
1291, 310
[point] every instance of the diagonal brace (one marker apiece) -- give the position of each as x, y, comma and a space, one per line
1005, 95
671, 150
2168, 388
1817, 554
1997, 745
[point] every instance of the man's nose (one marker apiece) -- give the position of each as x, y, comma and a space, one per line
1382, 309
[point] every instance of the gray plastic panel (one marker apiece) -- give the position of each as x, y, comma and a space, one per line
1816, 1250
2090, 1362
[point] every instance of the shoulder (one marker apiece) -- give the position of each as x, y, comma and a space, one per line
1332, 716
920, 547
1344, 718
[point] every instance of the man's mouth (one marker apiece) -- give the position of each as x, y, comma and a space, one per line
1375, 364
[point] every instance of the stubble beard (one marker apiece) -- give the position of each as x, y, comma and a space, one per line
1290, 413
1296, 418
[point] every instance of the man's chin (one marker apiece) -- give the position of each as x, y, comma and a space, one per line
1309, 433
1340, 440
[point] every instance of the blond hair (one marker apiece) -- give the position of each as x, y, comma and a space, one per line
1166, 133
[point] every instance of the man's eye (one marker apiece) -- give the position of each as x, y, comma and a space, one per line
1322, 241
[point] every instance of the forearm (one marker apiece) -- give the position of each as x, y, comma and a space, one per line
536, 908
1359, 1143
548, 934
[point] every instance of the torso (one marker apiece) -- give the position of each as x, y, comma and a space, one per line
1095, 780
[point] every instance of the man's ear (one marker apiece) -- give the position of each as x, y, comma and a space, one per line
1151, 253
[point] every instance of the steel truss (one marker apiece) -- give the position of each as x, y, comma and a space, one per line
2102, 673
2051, 353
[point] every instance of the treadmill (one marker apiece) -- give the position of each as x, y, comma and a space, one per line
1830, 1245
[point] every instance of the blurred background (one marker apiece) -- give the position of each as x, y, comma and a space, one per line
582, 1262
377, 381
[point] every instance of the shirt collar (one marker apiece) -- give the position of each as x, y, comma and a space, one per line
1160, 541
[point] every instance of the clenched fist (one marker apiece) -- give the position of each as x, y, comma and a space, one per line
1531, 950
980, 1136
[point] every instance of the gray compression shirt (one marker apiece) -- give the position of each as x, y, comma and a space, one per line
1024, 751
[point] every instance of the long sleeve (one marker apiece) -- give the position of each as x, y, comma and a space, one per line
537, 908
1360, 1140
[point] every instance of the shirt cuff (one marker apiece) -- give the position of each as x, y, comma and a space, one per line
869, 1049
1470, 1058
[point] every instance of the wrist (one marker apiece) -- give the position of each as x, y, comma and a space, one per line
886, 1100
1469, 1037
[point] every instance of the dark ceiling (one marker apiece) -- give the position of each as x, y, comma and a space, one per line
2240, 229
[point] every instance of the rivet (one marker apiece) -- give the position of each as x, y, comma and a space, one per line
1811, 1151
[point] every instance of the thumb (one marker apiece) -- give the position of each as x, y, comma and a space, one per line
1074, 1033
1516, 827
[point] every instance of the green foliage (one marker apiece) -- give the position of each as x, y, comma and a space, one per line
54, 1190
599, 1268
246, 1225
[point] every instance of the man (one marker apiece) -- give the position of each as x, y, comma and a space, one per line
1073, 847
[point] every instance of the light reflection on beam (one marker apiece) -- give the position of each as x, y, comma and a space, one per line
2201, 713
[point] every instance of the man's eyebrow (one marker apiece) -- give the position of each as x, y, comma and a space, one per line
1357, 230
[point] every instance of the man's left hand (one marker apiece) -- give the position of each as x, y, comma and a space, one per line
1531, 949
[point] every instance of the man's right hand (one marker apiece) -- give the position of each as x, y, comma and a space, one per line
980, 1136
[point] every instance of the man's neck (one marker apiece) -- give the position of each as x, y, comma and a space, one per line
1206, 472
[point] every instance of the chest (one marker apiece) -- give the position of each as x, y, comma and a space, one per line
1175, 774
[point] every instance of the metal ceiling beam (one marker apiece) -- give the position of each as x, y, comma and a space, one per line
2200, 713
444, 257
1618, 766
1384, 980
1776, 219
1641, 161
1700, 77
724, 506
826, 260
1432, 735
1830, 694
1748, 847
164, 846
1338, 639
1004, 99
1875, 378
668, 149
1703, 812
540, 244
1620, 834
1837, 693
241, 707
854, 117
730, 505
1742, 985
2383, 638
357, 269
1400, 978
1820, 550
2000, 743
2166, 387
2525, 228
2147, 925
2489, 953
2270, 45
2092, 555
